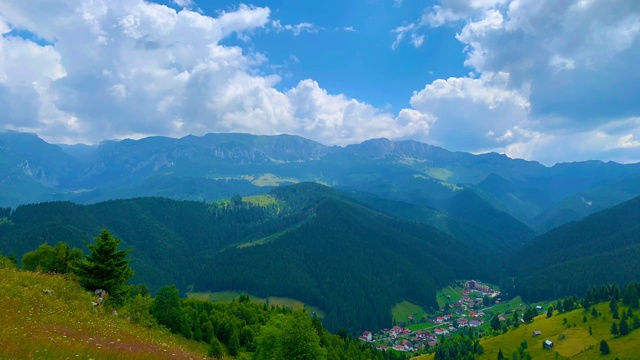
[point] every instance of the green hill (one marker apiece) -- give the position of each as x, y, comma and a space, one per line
307, 242
569, 334
602, 248
64, 324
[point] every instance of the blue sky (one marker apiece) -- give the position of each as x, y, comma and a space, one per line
535, 79
348, 49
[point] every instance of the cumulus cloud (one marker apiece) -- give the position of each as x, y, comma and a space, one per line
471, 111
87, 70
544, 72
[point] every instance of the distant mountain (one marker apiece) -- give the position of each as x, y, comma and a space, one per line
216, 166
305, 241
602, 248
578, 206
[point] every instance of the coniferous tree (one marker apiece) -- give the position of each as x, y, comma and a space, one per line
604, 348
614, 329
624, 327
106, 268
516, 319
495, 323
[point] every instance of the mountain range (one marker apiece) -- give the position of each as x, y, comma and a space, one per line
351, 230
216, 166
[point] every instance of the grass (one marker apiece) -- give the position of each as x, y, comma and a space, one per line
571, 342
401, 312
439, 173
509, 306
228, 296
455, 292
260, 200
268, 180
64, 324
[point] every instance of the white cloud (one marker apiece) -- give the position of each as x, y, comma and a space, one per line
184, 3
417, 40
131, 68
340, 120
468, 109
544, 72
296, 29
628, 141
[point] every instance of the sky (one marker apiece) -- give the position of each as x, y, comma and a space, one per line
545, 80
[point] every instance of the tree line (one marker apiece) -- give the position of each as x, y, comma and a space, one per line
240, 328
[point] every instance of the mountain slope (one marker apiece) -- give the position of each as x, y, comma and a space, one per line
305, 241
578, 206
216, 166
598, 249
353, 262
64, 324
469, 207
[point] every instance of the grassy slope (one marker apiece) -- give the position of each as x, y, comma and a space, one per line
578, 344
228, 296
402, 311
454, 292
64, 324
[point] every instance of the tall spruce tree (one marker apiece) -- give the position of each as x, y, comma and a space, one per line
106, 268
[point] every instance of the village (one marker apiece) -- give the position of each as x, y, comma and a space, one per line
470, 311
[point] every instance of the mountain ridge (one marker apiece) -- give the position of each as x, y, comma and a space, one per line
216, 166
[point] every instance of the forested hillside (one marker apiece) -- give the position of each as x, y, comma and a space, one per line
306, 241
63, 320
217, 166
602, 248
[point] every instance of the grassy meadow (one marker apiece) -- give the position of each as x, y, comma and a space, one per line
65, 325
402, 311
571, 338
453, 292
228, 296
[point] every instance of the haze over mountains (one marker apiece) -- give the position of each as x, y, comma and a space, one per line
216, 166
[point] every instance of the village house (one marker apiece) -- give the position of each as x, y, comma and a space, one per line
548, 344
463, 323
537, 333
366, 336
381, 347
439, 331
440, 319
475, 323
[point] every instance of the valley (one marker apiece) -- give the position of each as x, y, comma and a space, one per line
365, 237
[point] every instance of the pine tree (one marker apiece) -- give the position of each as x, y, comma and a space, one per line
106, 268
495, 323
500, 355
614, 329
604, 348
624, 327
